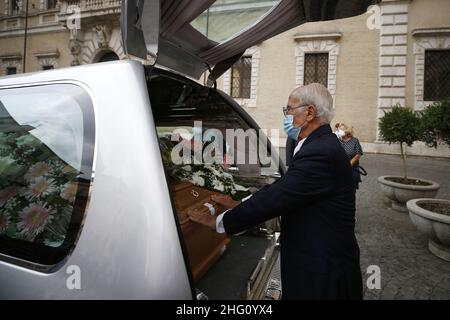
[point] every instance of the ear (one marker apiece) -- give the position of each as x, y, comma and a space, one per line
312, 113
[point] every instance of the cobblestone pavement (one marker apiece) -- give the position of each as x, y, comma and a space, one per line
389, 240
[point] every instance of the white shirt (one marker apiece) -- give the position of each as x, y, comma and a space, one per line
219, 221
299, 145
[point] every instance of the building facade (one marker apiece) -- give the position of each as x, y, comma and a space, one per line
397, 53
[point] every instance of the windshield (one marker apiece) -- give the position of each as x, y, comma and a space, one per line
226, 18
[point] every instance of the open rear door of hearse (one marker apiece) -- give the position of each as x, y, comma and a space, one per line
191, 37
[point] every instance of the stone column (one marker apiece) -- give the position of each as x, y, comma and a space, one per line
393, 55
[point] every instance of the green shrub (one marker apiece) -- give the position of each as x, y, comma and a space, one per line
400, 125
435, 124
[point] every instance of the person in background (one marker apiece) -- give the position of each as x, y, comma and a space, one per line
354, 152
339, 130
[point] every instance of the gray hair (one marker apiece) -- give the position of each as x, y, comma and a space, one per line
319, 96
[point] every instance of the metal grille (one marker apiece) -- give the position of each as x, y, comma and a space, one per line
316, 68
241, 77
11, 70
437, 75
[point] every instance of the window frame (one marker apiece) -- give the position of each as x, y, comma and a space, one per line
241, 83
11, 7
425, 96
47, 7
8, 69
51, 263
316, 71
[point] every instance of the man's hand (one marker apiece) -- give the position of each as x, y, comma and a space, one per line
202, 217
224, 200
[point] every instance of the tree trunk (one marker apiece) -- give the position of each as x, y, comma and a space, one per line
405, 175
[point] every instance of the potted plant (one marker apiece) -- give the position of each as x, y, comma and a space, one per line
402, 125
432, 216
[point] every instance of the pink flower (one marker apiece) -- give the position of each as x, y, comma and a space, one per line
40, 187
7, 193
39, 169
33, 220
69, 191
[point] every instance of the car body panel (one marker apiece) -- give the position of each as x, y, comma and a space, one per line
129, 246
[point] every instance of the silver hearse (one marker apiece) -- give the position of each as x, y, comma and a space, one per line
123, 234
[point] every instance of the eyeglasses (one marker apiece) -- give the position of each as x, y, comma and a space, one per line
287, 110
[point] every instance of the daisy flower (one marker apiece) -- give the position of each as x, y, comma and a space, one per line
7, 193
39, 169
40, 187
69, 191
32, 220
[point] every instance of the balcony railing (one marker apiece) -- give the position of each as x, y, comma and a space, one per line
86, 5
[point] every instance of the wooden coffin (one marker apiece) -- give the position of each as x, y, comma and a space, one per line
204, 246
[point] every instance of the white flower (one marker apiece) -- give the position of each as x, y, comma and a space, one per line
218, 185
40, 187
238, 187
214, 171
197, 179
228, 176
187, 168
53, 244
33, 220
69, 191
4, 222
7, 193
39, 169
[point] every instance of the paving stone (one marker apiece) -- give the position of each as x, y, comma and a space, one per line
388, 238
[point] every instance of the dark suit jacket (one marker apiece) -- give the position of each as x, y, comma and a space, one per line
316, 202
290, 147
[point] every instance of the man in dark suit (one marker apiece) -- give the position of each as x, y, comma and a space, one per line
316, 202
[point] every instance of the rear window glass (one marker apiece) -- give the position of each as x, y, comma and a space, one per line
186, 112
46, 155
227, 18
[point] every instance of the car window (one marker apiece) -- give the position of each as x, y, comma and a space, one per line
226, 18
46, 155
188, 120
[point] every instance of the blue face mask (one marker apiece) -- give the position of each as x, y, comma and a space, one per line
291, 131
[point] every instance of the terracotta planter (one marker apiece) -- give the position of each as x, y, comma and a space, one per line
399, 193
434, 225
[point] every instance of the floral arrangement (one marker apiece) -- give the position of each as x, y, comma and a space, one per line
209, 176
37, 190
